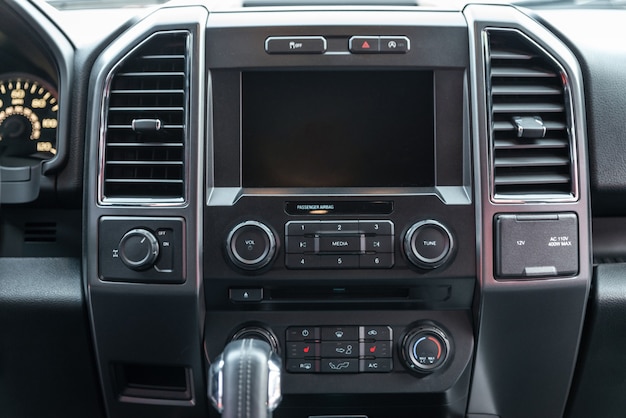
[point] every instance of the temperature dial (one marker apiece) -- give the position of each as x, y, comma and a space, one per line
425, 349
139, 249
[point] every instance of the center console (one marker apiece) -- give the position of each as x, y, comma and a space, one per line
340, 222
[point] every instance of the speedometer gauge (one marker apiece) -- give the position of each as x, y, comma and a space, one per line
28, 117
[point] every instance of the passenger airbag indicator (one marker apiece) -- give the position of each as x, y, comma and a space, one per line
535, 246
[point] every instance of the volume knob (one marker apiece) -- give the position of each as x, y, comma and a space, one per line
251, 245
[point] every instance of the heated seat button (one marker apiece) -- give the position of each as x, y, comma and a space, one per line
295, 45
302, 350
376, 349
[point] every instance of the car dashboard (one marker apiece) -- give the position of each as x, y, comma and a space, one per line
418, 208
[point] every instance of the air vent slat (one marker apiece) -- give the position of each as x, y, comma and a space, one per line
539, 179
531, 108
144, 144
503, 54
530, 134
537, 161
149, 85
508, 126
520, 72
153, 74
536, 144
538, 90
178, 91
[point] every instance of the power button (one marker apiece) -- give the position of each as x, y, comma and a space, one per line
251, 245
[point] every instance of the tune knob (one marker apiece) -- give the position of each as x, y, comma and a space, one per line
251, 245
428, 244
139, 249
425, 349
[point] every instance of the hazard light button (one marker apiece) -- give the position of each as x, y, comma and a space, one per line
365, 44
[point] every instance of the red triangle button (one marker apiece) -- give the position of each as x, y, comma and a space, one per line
366, 45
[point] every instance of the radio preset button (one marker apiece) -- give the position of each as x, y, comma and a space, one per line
376, 261
339, 227
300, 261
339, 261
302, 228
376, 227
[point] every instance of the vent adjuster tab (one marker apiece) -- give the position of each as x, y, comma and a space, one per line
146, 125
530, 127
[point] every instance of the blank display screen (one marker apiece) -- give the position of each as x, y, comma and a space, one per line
337, 129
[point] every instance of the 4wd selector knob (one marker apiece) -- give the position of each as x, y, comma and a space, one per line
251, 245
139, 249
428, 244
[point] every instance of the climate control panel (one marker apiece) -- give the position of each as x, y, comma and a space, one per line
339, 349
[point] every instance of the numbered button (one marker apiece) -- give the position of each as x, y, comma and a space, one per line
376, 261
339, 261
376, 227
299, 261
301, 228
342, 227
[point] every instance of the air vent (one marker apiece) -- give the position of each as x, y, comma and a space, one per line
38, 232
531, 146
145, 122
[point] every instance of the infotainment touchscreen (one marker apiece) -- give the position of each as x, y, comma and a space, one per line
337, 129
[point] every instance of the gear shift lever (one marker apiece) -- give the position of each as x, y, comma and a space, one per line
244, 381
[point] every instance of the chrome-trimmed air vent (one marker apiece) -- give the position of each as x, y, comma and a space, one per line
145, 120
531, 132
